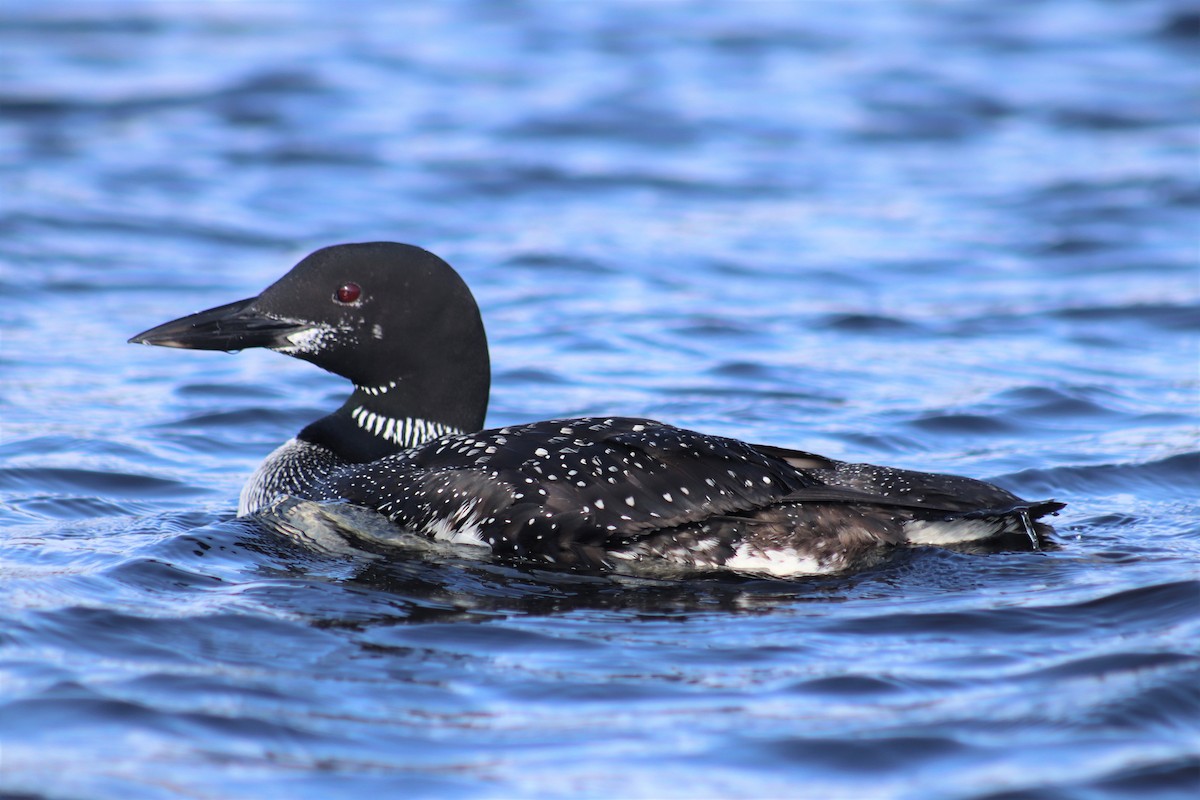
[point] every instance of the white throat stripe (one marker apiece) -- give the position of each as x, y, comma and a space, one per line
406, 432
375, 391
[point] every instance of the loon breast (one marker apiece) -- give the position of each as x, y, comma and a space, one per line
292, 469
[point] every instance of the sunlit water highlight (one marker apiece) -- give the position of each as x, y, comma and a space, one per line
957, 237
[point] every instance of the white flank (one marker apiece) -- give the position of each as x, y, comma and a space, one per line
937, 532
780, 563
461, 527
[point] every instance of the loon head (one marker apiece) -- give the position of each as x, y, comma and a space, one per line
395, 319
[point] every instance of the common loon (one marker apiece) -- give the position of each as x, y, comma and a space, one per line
587, 493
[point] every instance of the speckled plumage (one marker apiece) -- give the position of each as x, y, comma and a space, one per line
594, 492
589, 493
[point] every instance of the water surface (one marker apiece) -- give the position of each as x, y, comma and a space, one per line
956, 237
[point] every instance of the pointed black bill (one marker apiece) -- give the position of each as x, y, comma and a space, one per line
233, 326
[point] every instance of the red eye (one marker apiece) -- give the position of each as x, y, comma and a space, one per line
348, 293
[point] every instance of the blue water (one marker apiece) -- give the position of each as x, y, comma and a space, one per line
946, 236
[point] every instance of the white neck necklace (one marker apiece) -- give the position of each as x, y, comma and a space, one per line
406, 432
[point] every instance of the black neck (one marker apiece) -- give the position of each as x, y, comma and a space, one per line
395, 415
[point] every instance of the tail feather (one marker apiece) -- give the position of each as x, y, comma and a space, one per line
1011, 527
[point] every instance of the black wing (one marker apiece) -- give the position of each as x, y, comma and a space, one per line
571, 490
933, 492
571, 486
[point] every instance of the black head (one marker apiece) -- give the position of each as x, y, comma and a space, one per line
381, 314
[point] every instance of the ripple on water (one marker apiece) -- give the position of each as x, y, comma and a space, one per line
778, 220
1173, 472
110, 484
